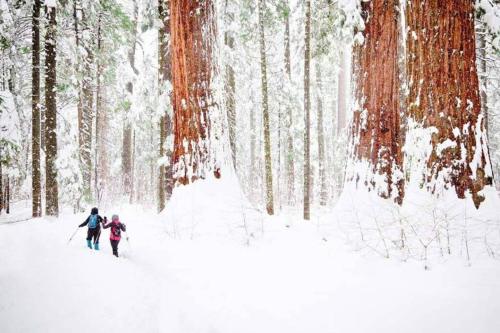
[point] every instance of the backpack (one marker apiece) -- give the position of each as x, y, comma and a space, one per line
93, 221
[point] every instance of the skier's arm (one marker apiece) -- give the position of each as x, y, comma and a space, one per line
106, 226
122, 226
84, 223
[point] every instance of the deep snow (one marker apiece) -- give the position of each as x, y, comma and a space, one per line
287, 278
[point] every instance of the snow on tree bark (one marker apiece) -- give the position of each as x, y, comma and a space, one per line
265, 113
35, 107
165, 180
289, 155
85, 91
230, 85
444, 95
51, 187
342, 86
323, 193
128, 132
376, 119
192, 25
307, 112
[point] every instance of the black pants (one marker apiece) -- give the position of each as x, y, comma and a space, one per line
94, 233
114, 246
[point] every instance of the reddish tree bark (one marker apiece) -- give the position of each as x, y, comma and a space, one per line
376, 121
192, 26
444, 94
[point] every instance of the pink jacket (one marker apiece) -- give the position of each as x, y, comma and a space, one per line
116, 228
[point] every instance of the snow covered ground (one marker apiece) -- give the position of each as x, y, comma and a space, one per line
287, 279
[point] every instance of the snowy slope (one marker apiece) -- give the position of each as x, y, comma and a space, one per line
288, 280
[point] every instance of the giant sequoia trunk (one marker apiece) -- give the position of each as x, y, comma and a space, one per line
35, 108
444, 95
376, 119
51, 188
265, 114
165, 180
192, 24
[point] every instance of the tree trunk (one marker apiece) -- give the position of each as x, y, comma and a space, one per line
193, 36
230, 85
165, 178
86, 98
307, 112
1, 184
77, 15
342, 88
35, 109
51, 188
253, 155
323, 194
265, 114
483, 67
376, 123
101, 119
290, 154
444, 95
127, 148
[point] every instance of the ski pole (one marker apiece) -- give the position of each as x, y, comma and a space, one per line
73, 234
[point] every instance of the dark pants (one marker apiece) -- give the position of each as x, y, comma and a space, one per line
94, 233
114, 246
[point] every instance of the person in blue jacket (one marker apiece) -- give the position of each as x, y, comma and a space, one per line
94, 223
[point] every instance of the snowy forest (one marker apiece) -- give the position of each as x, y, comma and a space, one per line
266, 165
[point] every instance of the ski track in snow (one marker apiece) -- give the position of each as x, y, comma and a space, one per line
288, 281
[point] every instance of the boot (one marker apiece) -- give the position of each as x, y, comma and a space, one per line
96, 246
89, 244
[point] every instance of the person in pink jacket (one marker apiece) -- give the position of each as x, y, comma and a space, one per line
116, 228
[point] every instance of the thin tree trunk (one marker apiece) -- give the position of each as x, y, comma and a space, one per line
342, 88
1, 184
290, 154
265, 114
289, 166
376, 124
230, 86
35, 109
444, 95
77, 16
127, 148
307, 112
253, 154
51, 188
193, 36
101, 162
165, 178
483, 65
87, 100
323, 196
7, 196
